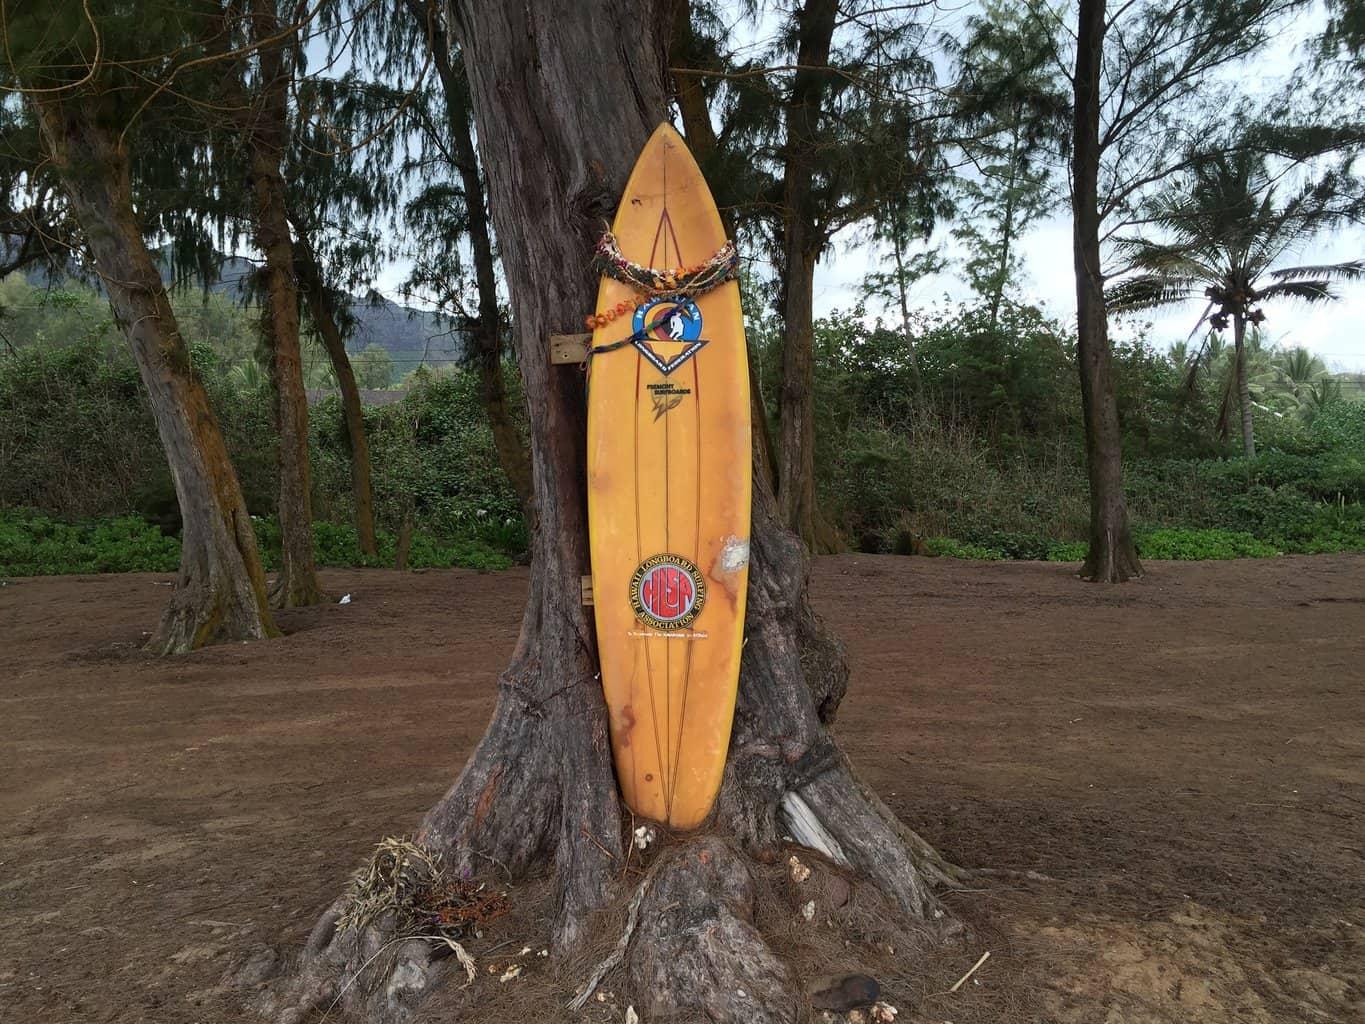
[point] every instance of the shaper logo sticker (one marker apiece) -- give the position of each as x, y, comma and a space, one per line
667, 592
666, 322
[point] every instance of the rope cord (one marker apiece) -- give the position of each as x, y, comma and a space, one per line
640, 335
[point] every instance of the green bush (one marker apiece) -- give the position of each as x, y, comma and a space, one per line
1071, 551
338, 545
956, 549
1195, 545
962, 429
32, 544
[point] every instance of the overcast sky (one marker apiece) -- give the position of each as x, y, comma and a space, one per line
1335, 331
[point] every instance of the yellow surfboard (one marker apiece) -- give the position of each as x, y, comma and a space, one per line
668, 495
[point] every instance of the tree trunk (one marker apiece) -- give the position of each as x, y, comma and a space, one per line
801, 245
265, 129
898, 246
487, 327
321, 309
1239, 327
1002, 267
701, 139
563, 110
220, 591
1112, 557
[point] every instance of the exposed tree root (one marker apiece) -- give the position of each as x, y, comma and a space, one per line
697, 948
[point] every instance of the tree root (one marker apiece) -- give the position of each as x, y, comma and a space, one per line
696, 947
537, 789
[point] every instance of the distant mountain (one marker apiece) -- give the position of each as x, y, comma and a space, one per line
410, 336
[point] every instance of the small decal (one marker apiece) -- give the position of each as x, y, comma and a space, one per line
667, 592
666, 396
670, 321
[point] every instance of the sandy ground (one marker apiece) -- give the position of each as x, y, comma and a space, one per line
1183, 757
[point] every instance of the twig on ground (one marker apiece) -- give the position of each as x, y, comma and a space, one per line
593, 839
962, 980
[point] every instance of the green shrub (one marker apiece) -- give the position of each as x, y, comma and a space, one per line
956, 549
32, 544
1071, 551
1195, 545
339, 546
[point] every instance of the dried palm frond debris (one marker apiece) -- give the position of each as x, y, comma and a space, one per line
411, 884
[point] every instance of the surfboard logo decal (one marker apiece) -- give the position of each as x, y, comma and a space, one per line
671, 321
667, 592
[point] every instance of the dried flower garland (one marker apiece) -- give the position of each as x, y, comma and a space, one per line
680, 282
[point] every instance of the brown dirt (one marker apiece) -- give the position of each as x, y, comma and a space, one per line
1183, 757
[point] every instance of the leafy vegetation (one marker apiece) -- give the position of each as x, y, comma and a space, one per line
32, 544
979, 458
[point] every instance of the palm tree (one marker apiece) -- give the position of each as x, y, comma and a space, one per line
1227, 231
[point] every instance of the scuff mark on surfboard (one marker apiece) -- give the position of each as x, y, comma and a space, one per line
734, 556
729, 563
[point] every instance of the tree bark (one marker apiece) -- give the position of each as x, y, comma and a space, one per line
801, 245
1112, 556
563, 110
1239, 327
265, 130
321, 308
220, 590
486, 325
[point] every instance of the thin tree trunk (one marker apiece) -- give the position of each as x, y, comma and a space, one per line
1112, 556
265, 129
1006, 227
220, 590
486, 334
801, 245
1239, 327
898, 246
701, 139
320, 308
563, 110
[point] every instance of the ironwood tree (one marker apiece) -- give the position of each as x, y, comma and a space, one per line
815, 136
1112, 554
257, 86
1014, 114
562, 110
80, 73
342, 196
448, 211
1148, 104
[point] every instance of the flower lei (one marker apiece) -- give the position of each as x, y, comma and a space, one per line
681, 282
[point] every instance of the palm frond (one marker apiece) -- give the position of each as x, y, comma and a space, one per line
1305, 291
1176, 259
1351, 270
1150, 291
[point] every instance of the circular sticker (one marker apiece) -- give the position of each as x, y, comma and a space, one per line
669, 319
667, 592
